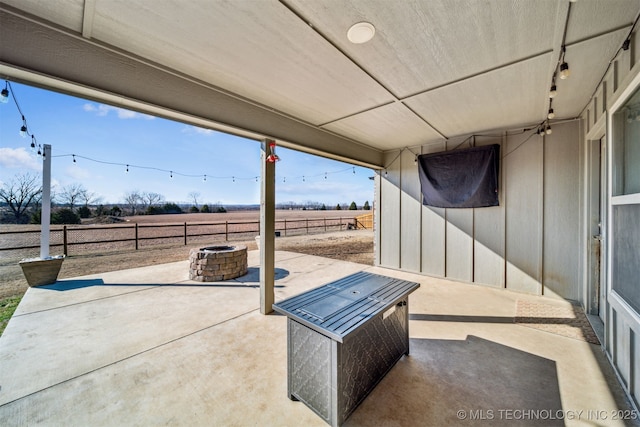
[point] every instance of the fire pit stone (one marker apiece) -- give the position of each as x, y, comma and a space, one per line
216, 263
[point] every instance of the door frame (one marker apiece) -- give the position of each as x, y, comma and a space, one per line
595, 145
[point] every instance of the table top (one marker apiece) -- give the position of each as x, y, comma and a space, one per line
340, 308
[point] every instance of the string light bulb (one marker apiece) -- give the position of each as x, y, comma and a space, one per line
170, 174
354, 170
127, 169
564, 71
325, 175
551, 114
74, 158
4, 95
33, 141
23, 128
548, 130
553, 91
204, 179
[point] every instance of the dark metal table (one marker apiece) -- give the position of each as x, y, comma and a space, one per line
342, 339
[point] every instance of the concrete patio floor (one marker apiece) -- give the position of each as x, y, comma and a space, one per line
149, 347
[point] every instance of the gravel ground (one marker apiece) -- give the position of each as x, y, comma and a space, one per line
353, 246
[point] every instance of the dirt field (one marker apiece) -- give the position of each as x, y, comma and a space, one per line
353, 245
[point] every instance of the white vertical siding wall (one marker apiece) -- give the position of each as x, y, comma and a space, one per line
409, 213
522, 166
433, 231
501, 246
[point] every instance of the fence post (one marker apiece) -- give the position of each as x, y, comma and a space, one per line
307, 221
340, 224
185, 234
325, 223
285, 227
136, 236
226, 231
64, 241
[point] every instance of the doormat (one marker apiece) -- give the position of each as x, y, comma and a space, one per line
568, 321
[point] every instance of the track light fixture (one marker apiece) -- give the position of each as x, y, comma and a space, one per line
4, 95
551, 114
553, 91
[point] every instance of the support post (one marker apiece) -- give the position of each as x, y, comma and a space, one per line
65, 242
46, 202
267, 230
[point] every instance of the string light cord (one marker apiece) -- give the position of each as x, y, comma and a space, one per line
528, 138
206, 176
25, 128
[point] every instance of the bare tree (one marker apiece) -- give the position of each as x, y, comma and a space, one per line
88, 197
20, 193
151, 199
70, 194
194, 195
133, 199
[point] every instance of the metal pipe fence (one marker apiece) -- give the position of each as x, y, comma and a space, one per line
76, 240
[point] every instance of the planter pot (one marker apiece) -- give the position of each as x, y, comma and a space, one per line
39, 272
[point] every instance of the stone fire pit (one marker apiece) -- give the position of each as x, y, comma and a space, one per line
215, 263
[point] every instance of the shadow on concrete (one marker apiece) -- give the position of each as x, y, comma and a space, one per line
470, 382
249, 280
253, 275
462, 319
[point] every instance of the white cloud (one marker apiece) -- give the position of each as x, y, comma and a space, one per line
19, 158
103, 110
194, 129
78, 173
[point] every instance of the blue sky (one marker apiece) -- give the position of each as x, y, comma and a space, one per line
98, 133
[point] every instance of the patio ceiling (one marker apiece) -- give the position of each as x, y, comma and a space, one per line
285, 69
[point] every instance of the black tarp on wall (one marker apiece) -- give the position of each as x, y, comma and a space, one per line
460, 178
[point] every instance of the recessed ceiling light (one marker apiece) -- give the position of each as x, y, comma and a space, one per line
361, 32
